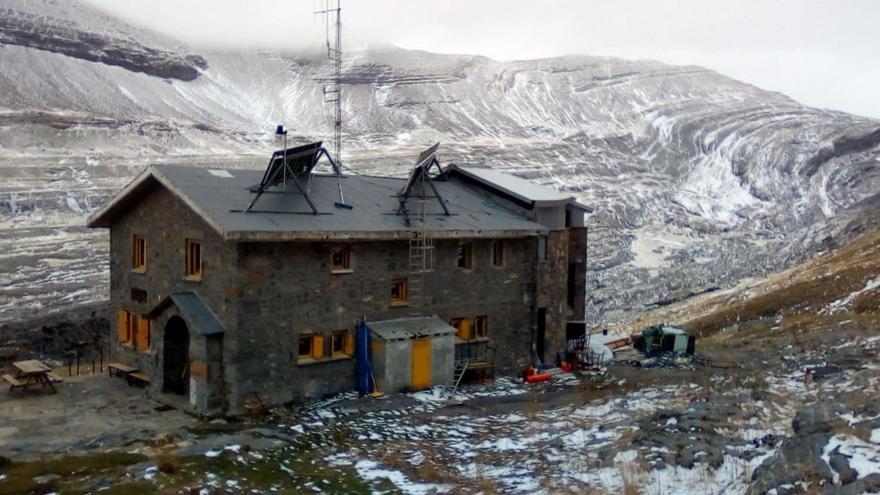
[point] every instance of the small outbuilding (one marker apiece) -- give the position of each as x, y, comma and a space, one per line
666, 338
412, 353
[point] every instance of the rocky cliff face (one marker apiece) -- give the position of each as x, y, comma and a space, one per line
697, 180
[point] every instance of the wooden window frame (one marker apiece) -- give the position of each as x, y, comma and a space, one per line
497, 248
465, 254
346, 342
308, 356
457, 324
193, 268
345, 266
403, 292
138, 253
481, 327
126, 325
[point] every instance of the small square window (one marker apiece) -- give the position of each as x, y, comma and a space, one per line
398, 291
340, 258
497, 253
481, 327
193, 259
466, 255
139, 254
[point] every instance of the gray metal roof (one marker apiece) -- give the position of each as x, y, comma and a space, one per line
196, 313
220, 196
517, 187
410, 328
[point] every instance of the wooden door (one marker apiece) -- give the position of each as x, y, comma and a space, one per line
421, 364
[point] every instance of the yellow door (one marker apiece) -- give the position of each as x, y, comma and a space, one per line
421, 364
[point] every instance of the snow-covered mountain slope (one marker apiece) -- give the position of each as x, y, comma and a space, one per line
697, 179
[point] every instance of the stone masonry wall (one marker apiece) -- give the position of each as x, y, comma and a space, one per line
551, 277
267, 294
166, 222
285, 289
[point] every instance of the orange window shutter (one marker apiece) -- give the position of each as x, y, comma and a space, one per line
143, 333
131, 327
121, 322
349, 344
318, 346
466, 330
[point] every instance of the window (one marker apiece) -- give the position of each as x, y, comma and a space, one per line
342, 344
497, 253
305, 346
133, 329
193, 259
125, 325
542, 248
340, 259
466, 255
398, 291
139, 254
311, 346
481, 327
142, 334
462, 328
456, 324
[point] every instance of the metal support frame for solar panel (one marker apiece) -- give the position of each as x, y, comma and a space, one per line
420, 174
292, 163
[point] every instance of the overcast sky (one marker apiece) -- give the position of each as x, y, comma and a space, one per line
824, 53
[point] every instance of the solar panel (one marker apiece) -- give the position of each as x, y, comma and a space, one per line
426, 155
421, 168
300, 161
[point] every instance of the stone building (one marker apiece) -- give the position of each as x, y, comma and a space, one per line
230, 285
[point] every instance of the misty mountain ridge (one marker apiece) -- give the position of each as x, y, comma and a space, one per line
697, 180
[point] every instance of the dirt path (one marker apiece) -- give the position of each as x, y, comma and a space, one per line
87, 413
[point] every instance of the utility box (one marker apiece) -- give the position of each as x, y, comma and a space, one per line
411, 354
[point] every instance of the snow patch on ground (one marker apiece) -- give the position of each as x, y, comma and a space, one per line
843, 303
370, 471
862, 456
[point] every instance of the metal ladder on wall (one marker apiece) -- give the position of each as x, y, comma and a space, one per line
460, 369
421, 259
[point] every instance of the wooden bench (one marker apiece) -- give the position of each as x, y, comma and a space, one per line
121, 369
137, 377
54, 378
14, 383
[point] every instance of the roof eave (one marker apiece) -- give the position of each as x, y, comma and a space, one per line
571, 200
303, 235
101, 218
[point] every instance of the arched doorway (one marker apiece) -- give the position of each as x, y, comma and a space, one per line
176, 357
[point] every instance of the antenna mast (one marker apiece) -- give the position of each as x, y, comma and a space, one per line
333, 91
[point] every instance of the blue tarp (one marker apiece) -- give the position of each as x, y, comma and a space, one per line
363, 380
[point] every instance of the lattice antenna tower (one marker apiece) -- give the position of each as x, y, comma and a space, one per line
333, 90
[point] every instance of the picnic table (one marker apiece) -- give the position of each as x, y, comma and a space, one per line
29, 373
